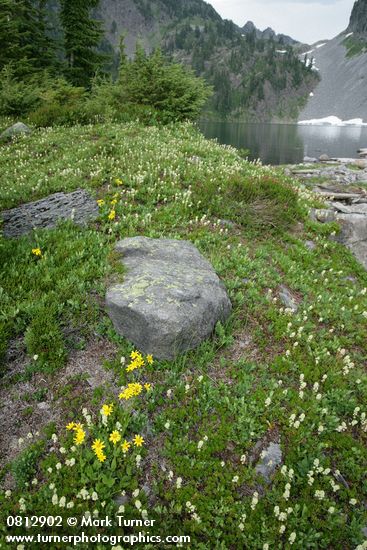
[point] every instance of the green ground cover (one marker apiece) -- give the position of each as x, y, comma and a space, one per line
269, 374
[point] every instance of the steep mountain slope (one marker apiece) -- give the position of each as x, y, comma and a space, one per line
342, 64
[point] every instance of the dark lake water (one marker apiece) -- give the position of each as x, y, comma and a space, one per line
287, 143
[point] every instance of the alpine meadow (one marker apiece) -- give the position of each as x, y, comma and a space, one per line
182, 330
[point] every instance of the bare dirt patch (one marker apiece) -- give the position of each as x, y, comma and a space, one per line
29, 405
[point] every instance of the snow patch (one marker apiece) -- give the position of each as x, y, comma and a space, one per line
311, 94
281, 51
348, 35
333, 121
321, 45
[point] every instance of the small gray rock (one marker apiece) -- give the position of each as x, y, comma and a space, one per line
121, 500
226, 223
287, 298
309, 159
324, 158
171, 298
310, 245
271, 461
78, 206
322, 215
17, 129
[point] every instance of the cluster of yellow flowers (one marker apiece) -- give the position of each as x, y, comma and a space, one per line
115, 437
138, 361
133, 389
98, 447
102, 202
36, 252
79, 436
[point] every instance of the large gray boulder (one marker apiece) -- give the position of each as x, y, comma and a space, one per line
171, 298
15, 130
78, 206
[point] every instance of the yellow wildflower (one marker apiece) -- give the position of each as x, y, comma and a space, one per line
36, 251
77, 426
115, 437
101, 456
112, 215
113, 202
70, 426
100, 202
137, 363
125, 446
132, 390
118, 181
148, 386
138, 441
79, 436
98, 446
107, 409
149, 359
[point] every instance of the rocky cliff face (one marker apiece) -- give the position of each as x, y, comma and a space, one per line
358, 18
268, 34
148, 21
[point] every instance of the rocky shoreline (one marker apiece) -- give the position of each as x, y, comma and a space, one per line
342, 185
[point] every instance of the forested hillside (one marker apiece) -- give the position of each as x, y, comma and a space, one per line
252, 77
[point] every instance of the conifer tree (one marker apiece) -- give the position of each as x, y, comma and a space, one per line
82, 35
23, 37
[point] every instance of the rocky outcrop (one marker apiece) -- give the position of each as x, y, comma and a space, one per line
350, 211
358, 18
17, 129
267, 34
171, 298
78, 206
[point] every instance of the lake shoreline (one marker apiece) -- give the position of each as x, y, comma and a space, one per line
279, 144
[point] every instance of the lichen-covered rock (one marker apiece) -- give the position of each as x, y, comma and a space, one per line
171, 298
78, 206
17, 129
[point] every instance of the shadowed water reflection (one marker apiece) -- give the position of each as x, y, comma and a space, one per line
287, 143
